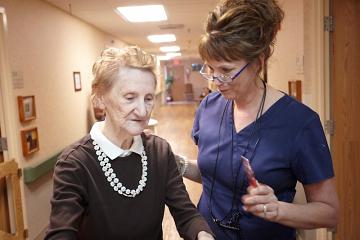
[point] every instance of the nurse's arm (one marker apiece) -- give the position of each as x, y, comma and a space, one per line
188, 168
321, 210
192, 171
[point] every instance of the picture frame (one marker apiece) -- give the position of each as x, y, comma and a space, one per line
77, 81
29, 141
27, 109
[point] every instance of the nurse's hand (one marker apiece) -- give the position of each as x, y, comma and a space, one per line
261, 201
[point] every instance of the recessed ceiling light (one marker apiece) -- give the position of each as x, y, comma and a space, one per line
163, 58
170, 49
173, 54
162, 38
144, 13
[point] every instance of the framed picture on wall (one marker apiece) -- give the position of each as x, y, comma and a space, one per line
29, 141
26, 105
77, 81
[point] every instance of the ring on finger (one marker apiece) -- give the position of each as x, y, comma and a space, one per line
264, 209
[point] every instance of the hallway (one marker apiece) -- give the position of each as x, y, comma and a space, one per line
175, 124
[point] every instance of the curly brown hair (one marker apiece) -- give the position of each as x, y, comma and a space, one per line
241, 29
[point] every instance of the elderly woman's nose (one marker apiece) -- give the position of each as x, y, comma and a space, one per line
141, 109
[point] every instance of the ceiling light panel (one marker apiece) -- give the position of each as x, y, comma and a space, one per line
173, 54
170, 49
162, 38
145, 13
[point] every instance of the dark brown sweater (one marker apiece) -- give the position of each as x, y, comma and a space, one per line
85, 206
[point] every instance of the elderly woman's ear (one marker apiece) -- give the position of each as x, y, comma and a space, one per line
98, 107
98, 102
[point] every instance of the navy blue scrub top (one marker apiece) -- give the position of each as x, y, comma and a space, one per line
289, 147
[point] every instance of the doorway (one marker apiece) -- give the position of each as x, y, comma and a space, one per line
345, 99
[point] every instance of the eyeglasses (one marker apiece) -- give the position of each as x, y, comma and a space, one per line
207, 73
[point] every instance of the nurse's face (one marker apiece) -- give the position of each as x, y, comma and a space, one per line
240, 72
128, 104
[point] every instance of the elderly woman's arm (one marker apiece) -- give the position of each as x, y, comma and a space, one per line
190, 224
188, 168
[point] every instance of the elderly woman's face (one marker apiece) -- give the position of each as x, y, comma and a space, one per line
129, 102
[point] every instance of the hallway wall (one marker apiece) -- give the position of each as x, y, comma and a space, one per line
46, 45
286, 62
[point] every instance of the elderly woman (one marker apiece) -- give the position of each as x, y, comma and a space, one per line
114, 182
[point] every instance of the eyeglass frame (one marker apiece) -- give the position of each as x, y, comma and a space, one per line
213, 78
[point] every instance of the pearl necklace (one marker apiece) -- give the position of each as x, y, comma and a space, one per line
112, 178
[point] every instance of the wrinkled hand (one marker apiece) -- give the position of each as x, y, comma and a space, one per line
262, 202
205, 236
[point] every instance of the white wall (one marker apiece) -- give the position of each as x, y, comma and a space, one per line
286, 63
45, 46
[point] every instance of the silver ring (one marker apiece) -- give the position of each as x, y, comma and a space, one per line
264, 210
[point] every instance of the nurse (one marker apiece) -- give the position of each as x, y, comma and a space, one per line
248, 120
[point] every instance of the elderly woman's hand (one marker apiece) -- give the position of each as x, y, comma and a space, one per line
205, 236
262, 202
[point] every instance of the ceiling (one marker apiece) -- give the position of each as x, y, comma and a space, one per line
185, 19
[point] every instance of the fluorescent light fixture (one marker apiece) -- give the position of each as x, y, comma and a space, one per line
170, 49
160, 38
173, 54
163, 58
144, 13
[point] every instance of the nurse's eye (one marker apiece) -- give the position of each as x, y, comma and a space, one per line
226, 70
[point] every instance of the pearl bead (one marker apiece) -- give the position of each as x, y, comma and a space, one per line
111, 176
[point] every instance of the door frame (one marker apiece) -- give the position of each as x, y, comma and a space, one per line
8, 114
317, 69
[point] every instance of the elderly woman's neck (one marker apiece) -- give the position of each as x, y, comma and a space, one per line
118, 137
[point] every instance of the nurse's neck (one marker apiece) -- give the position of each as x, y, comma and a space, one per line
251, 98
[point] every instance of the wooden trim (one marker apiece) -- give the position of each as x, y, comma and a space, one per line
295, 89
10, 169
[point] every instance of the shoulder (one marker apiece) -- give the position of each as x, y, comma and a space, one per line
77, 151
212, 100
153, 142
297, 113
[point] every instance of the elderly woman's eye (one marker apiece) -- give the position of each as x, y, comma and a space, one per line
129, 97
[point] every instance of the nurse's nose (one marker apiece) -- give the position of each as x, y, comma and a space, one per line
217, 82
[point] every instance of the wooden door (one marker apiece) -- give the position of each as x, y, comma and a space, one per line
345, 108
178, 86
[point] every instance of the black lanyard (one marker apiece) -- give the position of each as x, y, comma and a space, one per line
234, 220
